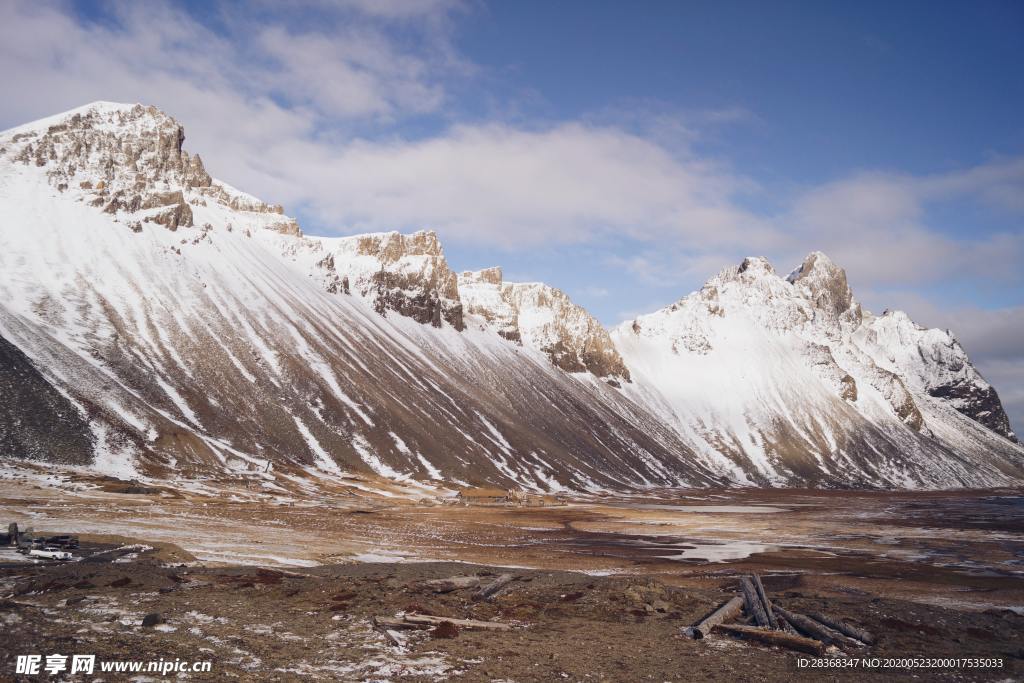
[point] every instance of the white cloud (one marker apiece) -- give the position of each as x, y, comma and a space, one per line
498, 185
875, 225
158, 54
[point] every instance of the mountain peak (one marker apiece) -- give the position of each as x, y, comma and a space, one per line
93, 108
815, 262
756, 265
128, 160
824, 283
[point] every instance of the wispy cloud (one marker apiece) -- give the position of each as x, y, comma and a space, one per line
876, 225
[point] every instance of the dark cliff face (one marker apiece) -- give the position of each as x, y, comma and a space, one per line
981, 404
36, 421
426, 307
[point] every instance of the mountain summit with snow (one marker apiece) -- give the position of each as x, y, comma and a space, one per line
157, 322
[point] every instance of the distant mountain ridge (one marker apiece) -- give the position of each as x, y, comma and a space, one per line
197, 331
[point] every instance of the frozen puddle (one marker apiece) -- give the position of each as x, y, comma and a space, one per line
645, 547
721, 552
252, 559
736, 509
9, 555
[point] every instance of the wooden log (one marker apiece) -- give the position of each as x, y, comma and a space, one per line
785, 625
490, 590
728, 611
394, 637
777, 638
461, 623
752, 602
765, 602
383, 623
809, 627
453, 583
847, 629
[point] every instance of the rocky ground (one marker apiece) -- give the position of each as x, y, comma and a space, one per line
270, 624
288, 589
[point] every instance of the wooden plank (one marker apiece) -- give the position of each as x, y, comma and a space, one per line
490, 590
728, 611
461, 623
753, 602
772, 621
843, 627
777, 638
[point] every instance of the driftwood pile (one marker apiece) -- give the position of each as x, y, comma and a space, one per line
485, 590
815, 633
447, 627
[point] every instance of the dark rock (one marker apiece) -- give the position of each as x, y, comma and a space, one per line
152, 619
981, 404
445, 629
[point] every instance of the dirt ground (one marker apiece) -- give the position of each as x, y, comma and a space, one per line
285, 588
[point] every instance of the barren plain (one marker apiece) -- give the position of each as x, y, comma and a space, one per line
285, 585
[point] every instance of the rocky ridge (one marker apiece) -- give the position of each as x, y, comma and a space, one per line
407, 274
221, 339
756, 347
542, 318
932, 361
129, 161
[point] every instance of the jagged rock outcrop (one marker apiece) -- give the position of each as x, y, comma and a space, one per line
824, 284
407, 274
482, 297
932, 361
129, 161
542, 318
821, 360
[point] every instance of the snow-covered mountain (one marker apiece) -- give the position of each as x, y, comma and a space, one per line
157, 321
224, 339
788, 379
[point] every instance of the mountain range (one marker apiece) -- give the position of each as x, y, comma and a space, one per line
156, 322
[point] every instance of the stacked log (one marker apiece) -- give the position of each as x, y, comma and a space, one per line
817, 634
779, 638
847, 629
813, 629
752, 602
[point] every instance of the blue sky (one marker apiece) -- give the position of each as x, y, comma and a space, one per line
624, 152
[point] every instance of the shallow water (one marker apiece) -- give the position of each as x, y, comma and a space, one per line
647, 548
740, 509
